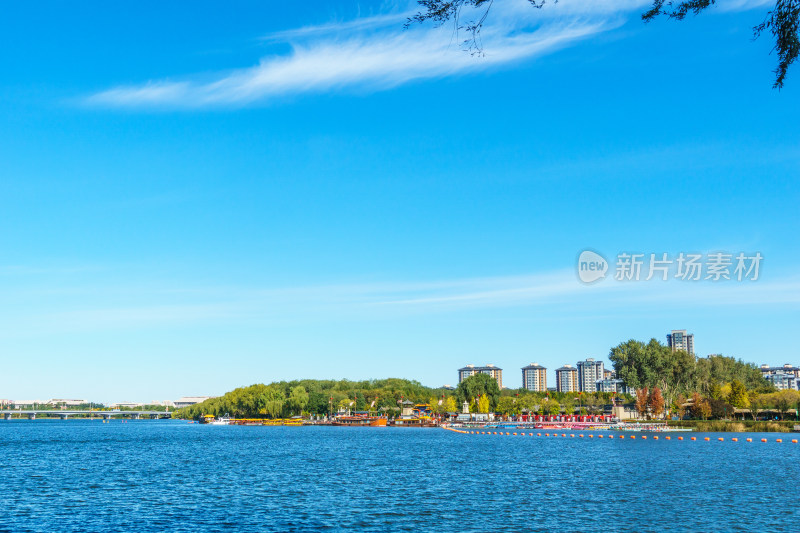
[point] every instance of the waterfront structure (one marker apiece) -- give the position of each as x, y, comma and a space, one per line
567, 379
613, 385
534, 377
26, 404
186, 401
679, 339
767, 370
64, 403
125, 405
784, 381
589, 371
471, 370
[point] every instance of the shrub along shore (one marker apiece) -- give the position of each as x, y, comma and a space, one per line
739, 426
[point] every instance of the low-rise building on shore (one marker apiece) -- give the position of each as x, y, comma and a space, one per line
186, 401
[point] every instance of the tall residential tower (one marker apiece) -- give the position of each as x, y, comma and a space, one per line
589, 372
567, 379
534, 377
680, 340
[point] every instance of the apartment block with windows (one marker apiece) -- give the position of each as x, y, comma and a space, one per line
788, 368
471, 370
589, 371
680, 340
567, 379
534, 377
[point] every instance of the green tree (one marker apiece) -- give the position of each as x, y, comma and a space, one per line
715, 390
738, 395
298, 399
754, 404
782, 403
478, 385
782, 22
505, 405
450, 405
569, 406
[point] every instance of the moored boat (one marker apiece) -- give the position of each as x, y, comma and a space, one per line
360, 421
212, 421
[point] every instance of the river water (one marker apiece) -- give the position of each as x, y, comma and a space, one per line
149, 475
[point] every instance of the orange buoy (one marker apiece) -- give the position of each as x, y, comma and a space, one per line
694, 438
571, 434
538, 434
581, 435
720, 439
734, 439
547, 434
707, 438
778, 440
763, 440
794, 441
599, 436
668, 437
655, 437
680, 438
749, 440
515, 433
644, 437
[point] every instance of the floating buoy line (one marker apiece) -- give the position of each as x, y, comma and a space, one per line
600, 436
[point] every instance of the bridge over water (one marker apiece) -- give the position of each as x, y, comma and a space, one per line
64, 414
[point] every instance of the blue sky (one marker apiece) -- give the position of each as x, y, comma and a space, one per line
197, 197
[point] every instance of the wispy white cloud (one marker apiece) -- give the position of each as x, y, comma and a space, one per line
97, 308
373, 53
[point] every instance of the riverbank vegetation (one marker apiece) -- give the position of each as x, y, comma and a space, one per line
761, 426
318, 397
702, 388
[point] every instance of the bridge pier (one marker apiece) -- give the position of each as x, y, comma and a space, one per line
106, 417
135, 416
7, 416
31, 416
63, 417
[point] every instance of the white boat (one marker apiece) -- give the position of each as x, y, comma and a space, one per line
221, 421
